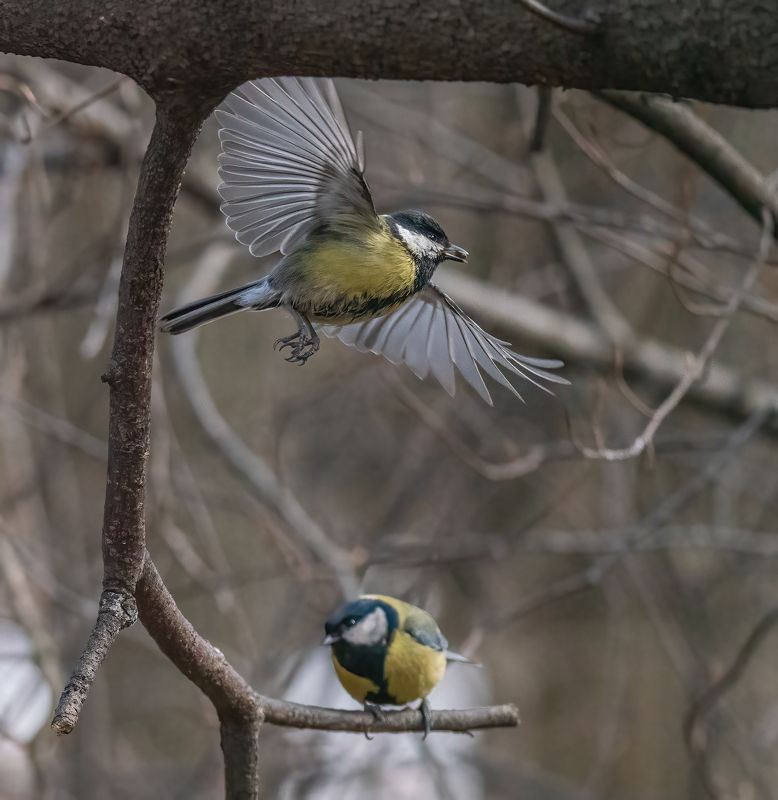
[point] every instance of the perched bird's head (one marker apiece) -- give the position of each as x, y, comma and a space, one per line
424, 238
363, 622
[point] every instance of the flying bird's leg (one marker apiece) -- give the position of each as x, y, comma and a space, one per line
426, 716
304, 341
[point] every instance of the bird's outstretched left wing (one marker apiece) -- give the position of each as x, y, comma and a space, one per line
432, 335
288, 163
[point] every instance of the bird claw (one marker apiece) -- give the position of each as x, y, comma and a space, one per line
303, 346
378, 716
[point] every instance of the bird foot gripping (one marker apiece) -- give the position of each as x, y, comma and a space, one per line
303, 343
378, 716
426, 716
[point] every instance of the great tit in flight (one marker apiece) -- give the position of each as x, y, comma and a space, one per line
293, 182
387, 652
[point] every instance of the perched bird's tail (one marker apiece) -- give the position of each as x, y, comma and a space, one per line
256, 296
452, 656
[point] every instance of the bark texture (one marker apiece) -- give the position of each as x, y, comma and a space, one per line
723, 51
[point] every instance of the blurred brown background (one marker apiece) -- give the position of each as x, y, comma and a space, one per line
602, 596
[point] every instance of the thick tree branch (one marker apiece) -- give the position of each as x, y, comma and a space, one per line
129, 371
129, 376
208, 47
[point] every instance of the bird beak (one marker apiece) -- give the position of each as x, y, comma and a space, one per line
454, 253
329, 639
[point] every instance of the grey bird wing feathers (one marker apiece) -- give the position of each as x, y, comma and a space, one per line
423, 628
431, 334
288, 165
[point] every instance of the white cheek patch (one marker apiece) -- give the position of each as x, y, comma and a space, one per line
370, 630
419, 244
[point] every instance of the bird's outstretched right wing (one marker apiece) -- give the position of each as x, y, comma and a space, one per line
432, 335
288, 163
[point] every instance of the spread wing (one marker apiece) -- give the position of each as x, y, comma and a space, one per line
288, 163
432, 335
423, 628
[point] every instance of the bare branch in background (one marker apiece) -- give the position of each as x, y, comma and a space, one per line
712, 153
635, 535
697, 366
694, 733
574, 254
688, 272
252, 469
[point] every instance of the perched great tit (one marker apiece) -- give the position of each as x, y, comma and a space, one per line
387, 652
293, 181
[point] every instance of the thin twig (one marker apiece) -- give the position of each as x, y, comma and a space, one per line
574, 253
66, 114
636, 534
693, 723
694, 276
696, 368
293, 715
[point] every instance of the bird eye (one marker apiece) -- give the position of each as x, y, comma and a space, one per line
350, 622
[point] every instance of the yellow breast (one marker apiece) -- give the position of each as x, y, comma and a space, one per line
411, 669
343, 272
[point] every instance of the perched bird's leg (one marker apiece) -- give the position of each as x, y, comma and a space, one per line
378, 716
304, 341
426, 716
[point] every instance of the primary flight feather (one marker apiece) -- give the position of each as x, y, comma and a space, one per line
293, 182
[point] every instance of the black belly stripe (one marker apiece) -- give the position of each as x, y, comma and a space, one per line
361, 306
367, 662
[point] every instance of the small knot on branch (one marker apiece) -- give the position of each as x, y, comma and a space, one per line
121, 605
111, 374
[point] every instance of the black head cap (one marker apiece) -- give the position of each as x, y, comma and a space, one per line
352, 613
425, 239
419, 222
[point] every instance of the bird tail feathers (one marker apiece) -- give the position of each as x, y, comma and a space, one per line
452, 656
256, 296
